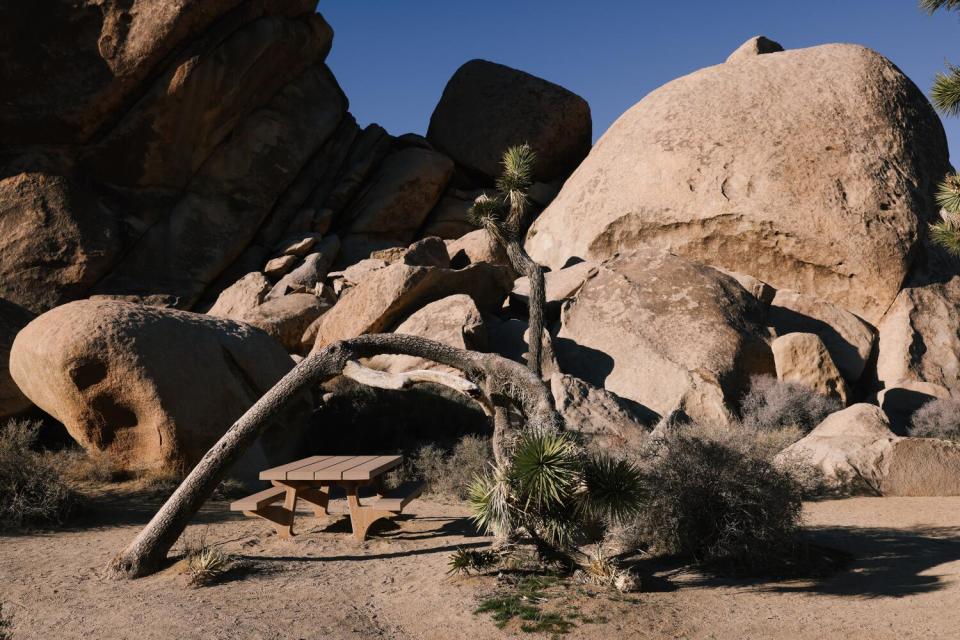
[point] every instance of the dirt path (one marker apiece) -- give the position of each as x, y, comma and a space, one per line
902, 584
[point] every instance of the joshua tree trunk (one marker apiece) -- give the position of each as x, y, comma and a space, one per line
505, 378
523, 264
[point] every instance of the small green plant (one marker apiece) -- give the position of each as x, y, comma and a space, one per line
524, 602
32, 491
204, 563
463, 561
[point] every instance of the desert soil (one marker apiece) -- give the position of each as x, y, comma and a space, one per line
902, 582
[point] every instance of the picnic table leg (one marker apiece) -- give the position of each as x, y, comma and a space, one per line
317, 496
361, 517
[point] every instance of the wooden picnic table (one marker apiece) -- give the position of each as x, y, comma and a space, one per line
312, 479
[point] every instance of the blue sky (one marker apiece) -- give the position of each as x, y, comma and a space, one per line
393, 57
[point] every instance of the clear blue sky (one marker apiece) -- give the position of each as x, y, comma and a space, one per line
393, 57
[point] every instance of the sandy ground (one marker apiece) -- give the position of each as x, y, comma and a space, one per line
903, 582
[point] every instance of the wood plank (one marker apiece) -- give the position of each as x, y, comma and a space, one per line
306, 472
335, 472
280, 473
396, 499
370, 470
259, 499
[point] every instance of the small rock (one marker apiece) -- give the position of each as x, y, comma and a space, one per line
279, 267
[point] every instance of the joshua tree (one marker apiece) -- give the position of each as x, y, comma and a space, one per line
946, 97
503, 217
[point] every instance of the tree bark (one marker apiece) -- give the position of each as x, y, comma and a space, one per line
508, 237
493, 373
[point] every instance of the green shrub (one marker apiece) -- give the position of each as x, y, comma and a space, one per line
726, 509
937, 419
32, 490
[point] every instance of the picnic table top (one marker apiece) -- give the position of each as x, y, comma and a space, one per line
332, 468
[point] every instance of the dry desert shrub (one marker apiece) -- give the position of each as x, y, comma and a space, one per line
32, 491
937, 419
725, 508
451, 474
774, 404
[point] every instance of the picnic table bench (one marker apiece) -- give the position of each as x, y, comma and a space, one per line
312, 480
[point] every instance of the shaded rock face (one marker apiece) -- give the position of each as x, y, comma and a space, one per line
13, 318
849, 340
664, 332
811, 169
920, 336
755, 46
487, 107
152, 388
184, 126
855, 449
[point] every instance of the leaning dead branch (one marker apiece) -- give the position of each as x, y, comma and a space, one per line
502, 381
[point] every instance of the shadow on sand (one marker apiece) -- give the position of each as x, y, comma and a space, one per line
881, 563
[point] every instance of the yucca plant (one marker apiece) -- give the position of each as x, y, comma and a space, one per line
556, 493
946, 97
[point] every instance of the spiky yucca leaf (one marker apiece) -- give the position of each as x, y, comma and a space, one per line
933, 5
948, 193
946, 233
614, 489
489, 498
946, 91
546, 470
485, 210
518, 163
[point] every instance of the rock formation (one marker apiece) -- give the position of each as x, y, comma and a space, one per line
811, 169
151, 388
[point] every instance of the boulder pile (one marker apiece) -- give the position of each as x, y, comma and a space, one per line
204, 211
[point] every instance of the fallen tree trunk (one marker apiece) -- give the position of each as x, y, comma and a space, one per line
495, 375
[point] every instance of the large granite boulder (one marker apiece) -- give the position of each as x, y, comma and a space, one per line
855, 450
810, 169
666, 333
487, 107
13, 318
152, 388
